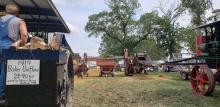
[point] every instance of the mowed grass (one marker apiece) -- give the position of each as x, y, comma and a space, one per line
152, 90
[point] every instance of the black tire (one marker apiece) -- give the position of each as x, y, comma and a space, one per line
126, 72
101, 74
145, 71
184, 75
112, 74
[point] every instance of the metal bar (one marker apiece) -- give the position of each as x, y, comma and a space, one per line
42, 20
206, 35
44, 24
35, 4
182, 63
186, 59
46, 29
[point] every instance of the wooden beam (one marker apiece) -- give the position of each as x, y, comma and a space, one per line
33, 11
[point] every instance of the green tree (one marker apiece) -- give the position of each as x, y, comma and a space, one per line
152, 48
187, 35
198, 9
150, 22
167, 30
117, 27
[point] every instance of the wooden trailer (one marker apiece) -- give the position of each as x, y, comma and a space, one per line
107, 66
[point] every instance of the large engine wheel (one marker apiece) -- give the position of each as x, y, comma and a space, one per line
202, 80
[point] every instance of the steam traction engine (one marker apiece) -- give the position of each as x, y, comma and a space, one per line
203, 76
137, 64
206, 69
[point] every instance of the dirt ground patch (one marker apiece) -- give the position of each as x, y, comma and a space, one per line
151, 77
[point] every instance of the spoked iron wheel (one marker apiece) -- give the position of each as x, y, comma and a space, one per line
202, 80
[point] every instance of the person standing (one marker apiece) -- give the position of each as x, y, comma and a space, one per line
12, 29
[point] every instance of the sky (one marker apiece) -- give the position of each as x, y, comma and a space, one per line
76, 13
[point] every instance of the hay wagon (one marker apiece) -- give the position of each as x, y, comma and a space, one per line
106, 65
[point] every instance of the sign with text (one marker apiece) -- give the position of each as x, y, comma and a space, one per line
23, 72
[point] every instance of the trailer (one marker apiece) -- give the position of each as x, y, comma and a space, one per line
36, 77
107, 66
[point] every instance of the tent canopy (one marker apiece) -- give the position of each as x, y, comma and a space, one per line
39, 15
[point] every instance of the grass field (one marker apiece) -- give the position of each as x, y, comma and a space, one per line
152, 90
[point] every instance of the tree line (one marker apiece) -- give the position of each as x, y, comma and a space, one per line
159, 35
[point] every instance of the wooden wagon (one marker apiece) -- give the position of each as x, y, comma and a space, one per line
107, 66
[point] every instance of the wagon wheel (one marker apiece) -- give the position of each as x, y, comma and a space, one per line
126, 72
100, 73
113, 75
87, 74
69, 90
184, 75
60, 96
202, 80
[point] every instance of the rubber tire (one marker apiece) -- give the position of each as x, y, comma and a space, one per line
113, 75
101, 75
184, 75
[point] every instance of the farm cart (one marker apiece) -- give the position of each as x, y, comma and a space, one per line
206, 70
36, 77
137, 64
107, 66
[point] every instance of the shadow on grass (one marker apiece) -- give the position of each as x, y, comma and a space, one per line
94, 76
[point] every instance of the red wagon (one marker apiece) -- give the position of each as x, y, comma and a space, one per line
107, 66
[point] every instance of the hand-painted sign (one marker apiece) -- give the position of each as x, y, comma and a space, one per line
23, 72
